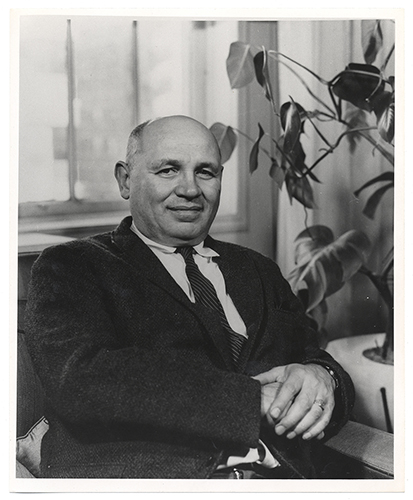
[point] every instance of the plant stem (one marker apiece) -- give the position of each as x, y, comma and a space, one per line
275, 54
334, 146
388, 58
265, 151
304, 83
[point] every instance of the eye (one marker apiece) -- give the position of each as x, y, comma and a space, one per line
168, 171
206, 173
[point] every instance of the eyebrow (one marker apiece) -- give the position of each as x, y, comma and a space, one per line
157, 164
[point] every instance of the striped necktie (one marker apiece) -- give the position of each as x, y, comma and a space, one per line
206, 295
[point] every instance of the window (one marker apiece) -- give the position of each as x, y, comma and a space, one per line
85, 82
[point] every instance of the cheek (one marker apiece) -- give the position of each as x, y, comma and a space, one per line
209, 187
144, 194
141, 201
153, 191
212, 194
150, 207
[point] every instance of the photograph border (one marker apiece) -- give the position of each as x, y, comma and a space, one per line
163, 485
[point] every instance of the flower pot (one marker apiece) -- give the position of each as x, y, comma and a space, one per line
373, 381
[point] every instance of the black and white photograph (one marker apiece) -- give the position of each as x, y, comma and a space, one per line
207, 256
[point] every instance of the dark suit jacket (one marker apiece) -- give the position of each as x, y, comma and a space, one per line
139, 381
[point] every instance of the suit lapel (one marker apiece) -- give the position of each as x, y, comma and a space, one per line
143, 261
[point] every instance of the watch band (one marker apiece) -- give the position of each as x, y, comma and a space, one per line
332, 373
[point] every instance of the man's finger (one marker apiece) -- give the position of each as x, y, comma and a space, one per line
314, 421
273, 375
284, 399
317, 428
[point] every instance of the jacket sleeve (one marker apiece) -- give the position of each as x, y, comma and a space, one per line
92, 379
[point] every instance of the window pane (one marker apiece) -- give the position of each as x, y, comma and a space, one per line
43, 110
221, 103
104, 102
163, 75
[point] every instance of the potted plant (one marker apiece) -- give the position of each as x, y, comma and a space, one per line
361, 99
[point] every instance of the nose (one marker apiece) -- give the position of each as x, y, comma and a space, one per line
187, 186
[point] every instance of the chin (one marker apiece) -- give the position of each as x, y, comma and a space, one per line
189, 240
188, 237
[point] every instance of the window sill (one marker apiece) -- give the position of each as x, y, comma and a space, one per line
75, 226
34, 243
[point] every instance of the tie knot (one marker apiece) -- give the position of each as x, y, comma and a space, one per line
186, 252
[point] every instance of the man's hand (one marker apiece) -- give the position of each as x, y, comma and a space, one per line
297, 399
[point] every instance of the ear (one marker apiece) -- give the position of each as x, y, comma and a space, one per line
123, 178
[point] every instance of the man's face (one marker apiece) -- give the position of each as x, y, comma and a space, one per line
175, 182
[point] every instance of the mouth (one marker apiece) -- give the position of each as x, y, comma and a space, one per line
186, 208
186, 212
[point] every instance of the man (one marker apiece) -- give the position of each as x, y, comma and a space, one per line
148, 374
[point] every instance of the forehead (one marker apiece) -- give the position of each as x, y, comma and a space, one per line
180, 138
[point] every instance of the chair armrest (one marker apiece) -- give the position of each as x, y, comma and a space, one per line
369, 449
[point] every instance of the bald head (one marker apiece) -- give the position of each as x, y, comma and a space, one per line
178, 125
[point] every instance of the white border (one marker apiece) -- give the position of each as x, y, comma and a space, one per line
217, 9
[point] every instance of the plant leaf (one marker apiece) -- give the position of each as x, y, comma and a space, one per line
371, 39
385, 123
303, 114
315, 277
357, 84
300, 189
326, 265
374, 200
226, 138
294, 160
291, 122
310, 241
262, 75
277, 173
352, 250
386, 176
356, 118
253, 160
259, 62
240, 65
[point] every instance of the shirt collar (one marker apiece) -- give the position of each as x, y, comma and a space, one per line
201, 249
